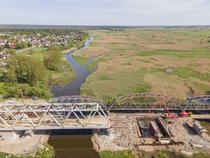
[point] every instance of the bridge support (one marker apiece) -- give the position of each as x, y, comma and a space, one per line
10, 135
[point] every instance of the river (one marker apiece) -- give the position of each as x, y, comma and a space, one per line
73, 144
81, 72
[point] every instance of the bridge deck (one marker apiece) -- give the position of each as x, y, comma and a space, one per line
94, 123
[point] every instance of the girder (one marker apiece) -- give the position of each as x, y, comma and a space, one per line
78, 99
52, 116
197, 103
144, 102
83, 112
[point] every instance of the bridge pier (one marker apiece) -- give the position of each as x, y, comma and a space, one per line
10, 135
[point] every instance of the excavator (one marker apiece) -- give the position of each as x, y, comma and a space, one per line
170, 115
182, 114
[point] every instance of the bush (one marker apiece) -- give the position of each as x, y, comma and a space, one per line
52, 60
119, 154
11, 51
161, 155
17, 90
1, 48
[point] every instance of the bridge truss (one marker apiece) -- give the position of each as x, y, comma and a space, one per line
199, 103
48, 116
144, 102
156, 102
82, 112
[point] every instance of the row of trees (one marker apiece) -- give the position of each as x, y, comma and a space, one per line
26, 69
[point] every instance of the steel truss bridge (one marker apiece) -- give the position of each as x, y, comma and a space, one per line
75, 112
83, 112
156, 102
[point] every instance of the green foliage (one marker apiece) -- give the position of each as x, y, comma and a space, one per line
11, 51
140, 89
24, 69
197, 155
41, 153
161, 155
18, 90
179, 54
118, 154
3, 155
20, 45
79, 59
186, 72
104, 77
29, 44
1, 48
53, 59
94, 64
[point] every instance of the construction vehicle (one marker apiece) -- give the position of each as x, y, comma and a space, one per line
170, 115
184, 114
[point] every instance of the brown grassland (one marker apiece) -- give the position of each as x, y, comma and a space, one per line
135, 61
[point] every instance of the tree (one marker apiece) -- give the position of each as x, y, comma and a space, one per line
29, 44
1, 48
53, 59
20, 45
24, 69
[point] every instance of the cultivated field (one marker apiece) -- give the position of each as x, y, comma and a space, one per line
174, 62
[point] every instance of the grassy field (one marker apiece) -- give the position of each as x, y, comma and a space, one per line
135, 60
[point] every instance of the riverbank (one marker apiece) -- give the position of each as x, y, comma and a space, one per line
80, 70
24, 145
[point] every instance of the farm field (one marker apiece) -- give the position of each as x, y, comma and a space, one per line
173, 62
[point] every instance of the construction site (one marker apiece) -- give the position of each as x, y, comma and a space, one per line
150, 132
139, 122
136, 126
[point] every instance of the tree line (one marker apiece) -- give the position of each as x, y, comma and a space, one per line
27, 75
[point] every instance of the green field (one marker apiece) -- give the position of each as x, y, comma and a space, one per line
136, 60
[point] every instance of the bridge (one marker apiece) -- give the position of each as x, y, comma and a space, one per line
84, 112
147, 102
75, 112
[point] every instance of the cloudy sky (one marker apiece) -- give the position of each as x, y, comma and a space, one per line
105, 12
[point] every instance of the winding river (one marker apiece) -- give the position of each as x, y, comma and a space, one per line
73, 87
73, 143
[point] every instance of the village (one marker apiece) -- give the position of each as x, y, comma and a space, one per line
15, 41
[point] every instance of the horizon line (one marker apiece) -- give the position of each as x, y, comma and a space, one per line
95, 25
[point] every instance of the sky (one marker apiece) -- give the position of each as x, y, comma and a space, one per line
105, 12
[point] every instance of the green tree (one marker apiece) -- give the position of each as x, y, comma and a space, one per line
1, 48
24, 69
29, 44
20, 45
53, 59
